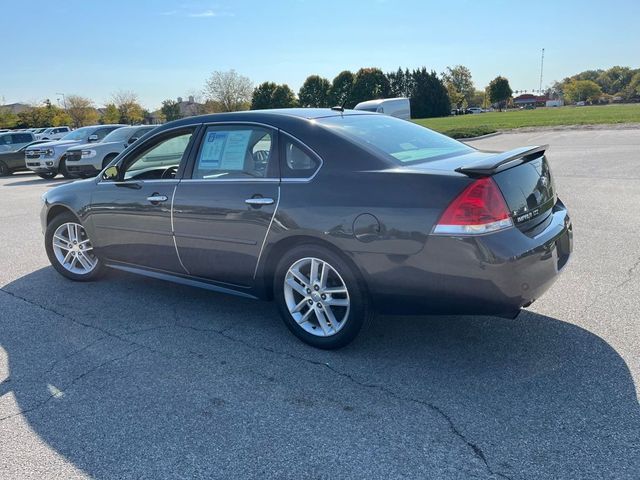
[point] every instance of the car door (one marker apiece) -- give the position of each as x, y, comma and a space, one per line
224, 206
15, 160
130, 212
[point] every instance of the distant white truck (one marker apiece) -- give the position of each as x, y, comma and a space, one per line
394, 107
53, 133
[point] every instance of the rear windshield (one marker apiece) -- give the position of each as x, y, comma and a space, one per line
400, 140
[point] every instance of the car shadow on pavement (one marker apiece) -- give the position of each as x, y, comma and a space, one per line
132, 377
39, 181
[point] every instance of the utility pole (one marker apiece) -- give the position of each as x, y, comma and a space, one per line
541, 69
64, 100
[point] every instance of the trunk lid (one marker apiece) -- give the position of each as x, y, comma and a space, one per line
523, 176
529, 191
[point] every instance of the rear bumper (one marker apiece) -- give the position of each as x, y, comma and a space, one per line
494, 274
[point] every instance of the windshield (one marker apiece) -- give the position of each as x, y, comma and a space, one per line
401, 140
119, 135
78, 134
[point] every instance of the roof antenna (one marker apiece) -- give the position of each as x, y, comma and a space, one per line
340, 108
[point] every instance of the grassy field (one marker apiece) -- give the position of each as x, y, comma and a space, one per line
465, 126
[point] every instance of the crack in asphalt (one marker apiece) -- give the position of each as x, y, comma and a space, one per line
70, 384
73, 353
106, 333
629, 277
478, 453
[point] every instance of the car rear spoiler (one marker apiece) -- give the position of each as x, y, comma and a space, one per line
502, 161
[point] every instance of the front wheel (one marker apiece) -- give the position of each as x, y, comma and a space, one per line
63, 169
320, 297
70, 250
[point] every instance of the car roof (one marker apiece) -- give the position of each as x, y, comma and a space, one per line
106, 125
275, 117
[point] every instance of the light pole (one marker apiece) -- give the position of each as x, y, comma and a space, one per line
64, 100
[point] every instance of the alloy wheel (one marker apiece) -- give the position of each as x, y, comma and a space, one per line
316, 296
73, 249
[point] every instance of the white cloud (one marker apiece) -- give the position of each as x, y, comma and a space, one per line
206, 13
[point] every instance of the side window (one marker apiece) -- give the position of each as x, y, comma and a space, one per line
244, 152
103, 132
160, 160
24, 138
297, 162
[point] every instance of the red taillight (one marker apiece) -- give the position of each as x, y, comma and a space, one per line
480, 208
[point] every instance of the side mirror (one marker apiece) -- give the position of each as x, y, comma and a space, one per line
92, 138
111, 173
132, 140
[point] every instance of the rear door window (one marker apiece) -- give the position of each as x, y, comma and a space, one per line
236, 152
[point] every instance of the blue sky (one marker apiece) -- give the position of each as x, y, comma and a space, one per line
165, 49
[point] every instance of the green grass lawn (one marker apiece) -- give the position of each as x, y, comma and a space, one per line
465, 126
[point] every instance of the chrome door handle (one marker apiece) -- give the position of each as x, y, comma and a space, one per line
259, 201
157, 198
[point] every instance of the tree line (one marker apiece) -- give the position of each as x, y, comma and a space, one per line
78, 111
600, 86
430, 94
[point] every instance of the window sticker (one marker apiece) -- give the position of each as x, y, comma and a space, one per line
225, 150
212, 150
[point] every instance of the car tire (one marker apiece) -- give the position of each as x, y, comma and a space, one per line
316, 310
62, 168
4, 170
65, 229
107, 160
48, 175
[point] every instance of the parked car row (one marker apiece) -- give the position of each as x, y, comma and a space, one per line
78, 154
468, 111
52, 133
47, 133
89, 159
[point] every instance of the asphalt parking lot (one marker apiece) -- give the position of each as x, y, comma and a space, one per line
130, 377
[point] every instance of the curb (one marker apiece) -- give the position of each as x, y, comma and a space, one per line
488, 135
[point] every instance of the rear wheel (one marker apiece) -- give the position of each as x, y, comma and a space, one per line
320, 296
4, 170
48, 175
70, 250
